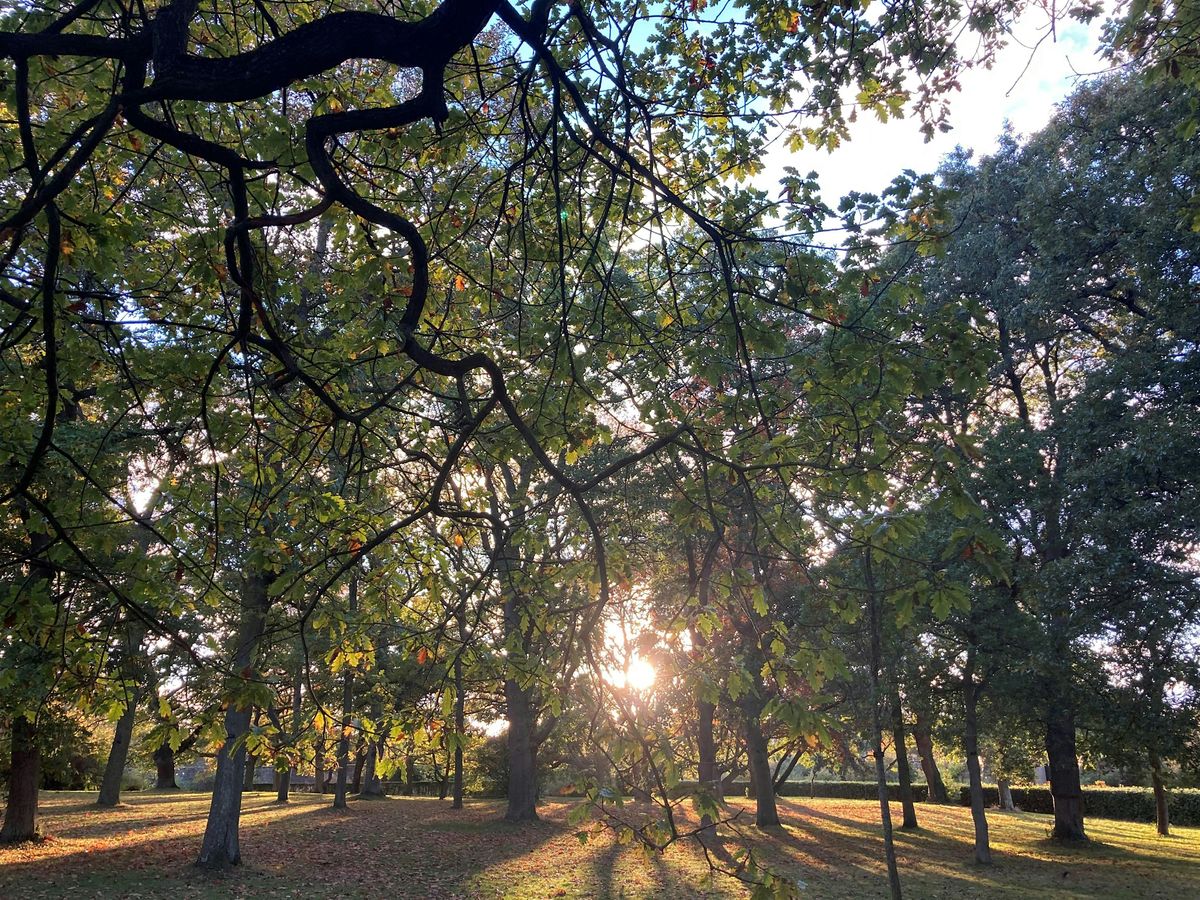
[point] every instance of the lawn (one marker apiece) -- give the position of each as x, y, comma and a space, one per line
422, 848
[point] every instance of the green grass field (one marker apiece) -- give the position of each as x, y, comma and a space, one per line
421, 848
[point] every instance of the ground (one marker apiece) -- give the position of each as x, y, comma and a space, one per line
420, 848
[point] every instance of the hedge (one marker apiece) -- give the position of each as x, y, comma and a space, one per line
1129, 804
833, 790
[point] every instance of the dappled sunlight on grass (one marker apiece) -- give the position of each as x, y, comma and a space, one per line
420, 848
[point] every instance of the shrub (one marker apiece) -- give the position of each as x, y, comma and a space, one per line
834, 790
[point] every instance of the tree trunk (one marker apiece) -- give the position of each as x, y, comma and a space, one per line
164, 767
460, 725
371, 785
766, 814
410, 774
983, 849
118, 755
522, 755
933, 776
248, 773
442, 779
343, 746
221, 847
706, 747
319, 767
1064, 773
285, 779
785, 767
1160, 796
1005, 792
369, 782
360, 758
283, 785
25, 775
25, 770
902, 768
885, 812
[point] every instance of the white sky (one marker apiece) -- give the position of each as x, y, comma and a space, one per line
877, 152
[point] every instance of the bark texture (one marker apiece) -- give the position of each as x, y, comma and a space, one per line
923, 738
522, 755
983, 849
118, 754
766, 813
164, 768
1064, 774
903, 770
460, 723
1005, 792
343, 744
21, 813
1161, 812
221, 847
885, 813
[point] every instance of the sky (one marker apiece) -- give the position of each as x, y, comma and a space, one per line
1022, 87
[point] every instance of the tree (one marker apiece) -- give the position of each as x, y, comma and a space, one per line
1075, 470
494, 235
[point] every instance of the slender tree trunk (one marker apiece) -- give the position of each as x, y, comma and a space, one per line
410, 774
25, 769
933, 776
360, 758
1005, 791
784, 771
25, 774
902, 768
766, 814
885, 812
343, 745
1064, 772
460, 725
371, 785
221, 847
319, 767
522, 755
1161, 815
983, 849
285, 779
442, 777
118, 755
248, 773
251, 760
706, 747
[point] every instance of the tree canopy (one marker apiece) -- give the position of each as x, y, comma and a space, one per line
380, 371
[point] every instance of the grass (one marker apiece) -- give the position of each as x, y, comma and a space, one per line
422, 848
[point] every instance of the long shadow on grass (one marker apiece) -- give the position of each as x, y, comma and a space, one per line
393, 848
416, 847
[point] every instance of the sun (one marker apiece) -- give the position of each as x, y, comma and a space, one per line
639, 675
